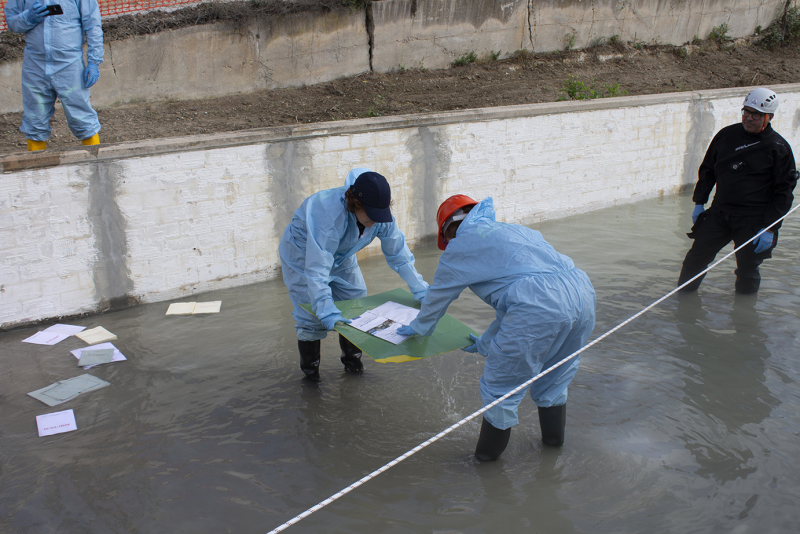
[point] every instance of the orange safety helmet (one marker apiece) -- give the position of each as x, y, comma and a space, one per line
446, 210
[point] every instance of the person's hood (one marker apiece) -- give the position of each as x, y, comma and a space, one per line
483, 211
353, 175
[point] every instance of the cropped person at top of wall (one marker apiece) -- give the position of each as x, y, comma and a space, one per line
544, 306
318, 259
53, 65
753, 169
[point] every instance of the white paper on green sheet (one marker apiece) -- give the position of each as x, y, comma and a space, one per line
95, 357
62, 391
207, 307
96, 335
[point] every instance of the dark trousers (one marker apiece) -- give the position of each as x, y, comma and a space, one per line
713, 230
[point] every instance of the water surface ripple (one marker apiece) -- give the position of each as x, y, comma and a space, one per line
684, 421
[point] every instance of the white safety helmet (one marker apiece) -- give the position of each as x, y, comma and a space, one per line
762, 99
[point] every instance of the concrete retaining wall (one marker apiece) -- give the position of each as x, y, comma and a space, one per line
307, 48
152, 221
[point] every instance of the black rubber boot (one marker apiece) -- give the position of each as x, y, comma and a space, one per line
749, 283
492, 442
309, 359
553, 421
351, 356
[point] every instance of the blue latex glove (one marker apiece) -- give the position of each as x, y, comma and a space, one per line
698, 209
474, 346
91, 75
420, 295
37, 13
763, 242
406, 330
329, 321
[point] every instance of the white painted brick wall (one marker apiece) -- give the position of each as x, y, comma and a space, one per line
205, 219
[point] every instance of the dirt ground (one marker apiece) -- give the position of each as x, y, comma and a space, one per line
527, 78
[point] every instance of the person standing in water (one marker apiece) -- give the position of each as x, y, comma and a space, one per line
318, 259
545, 309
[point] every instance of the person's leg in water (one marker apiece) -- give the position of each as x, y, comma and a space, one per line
711, 233
347, 282
508, 365
569, 335
748, 276
308, 328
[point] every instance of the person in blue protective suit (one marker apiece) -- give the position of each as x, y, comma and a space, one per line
53, 66
545, 311
318, 258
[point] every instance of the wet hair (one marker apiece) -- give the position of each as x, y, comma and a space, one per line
453, 228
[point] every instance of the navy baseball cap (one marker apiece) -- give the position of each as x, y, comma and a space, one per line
372, 190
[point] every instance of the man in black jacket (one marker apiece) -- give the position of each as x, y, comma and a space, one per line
754, 170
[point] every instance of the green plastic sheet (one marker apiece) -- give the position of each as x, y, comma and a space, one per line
450, 334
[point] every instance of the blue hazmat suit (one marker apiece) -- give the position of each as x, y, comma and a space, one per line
53, 65
318, 257
544, 306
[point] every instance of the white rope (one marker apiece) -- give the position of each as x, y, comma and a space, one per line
443, 433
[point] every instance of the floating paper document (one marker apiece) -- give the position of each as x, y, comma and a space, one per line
68, 329
62, 391
56, 423
54, 334
96, 335
450, 334
95, 357
46, 338
117, 357
194, 308
384, 321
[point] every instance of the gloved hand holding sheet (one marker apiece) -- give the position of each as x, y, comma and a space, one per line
450, 334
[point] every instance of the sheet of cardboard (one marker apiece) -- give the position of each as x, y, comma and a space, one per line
62, 391
96, 335
207, 307
181, 308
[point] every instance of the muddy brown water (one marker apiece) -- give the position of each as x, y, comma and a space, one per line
687, 420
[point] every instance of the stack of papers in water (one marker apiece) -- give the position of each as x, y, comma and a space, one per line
62, 391
193, 308
56, 423
96, 335
383, 321
54, 334
115, 357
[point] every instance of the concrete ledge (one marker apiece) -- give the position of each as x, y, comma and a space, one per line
26, 160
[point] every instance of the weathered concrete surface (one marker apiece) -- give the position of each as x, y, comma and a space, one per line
433, 33
307, 48
156, 220
215, 60
664, 21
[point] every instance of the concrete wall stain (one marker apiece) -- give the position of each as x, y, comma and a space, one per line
702, 125
112, 277
290, 167
430, 167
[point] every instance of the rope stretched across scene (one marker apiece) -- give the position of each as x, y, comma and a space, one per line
519, 388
